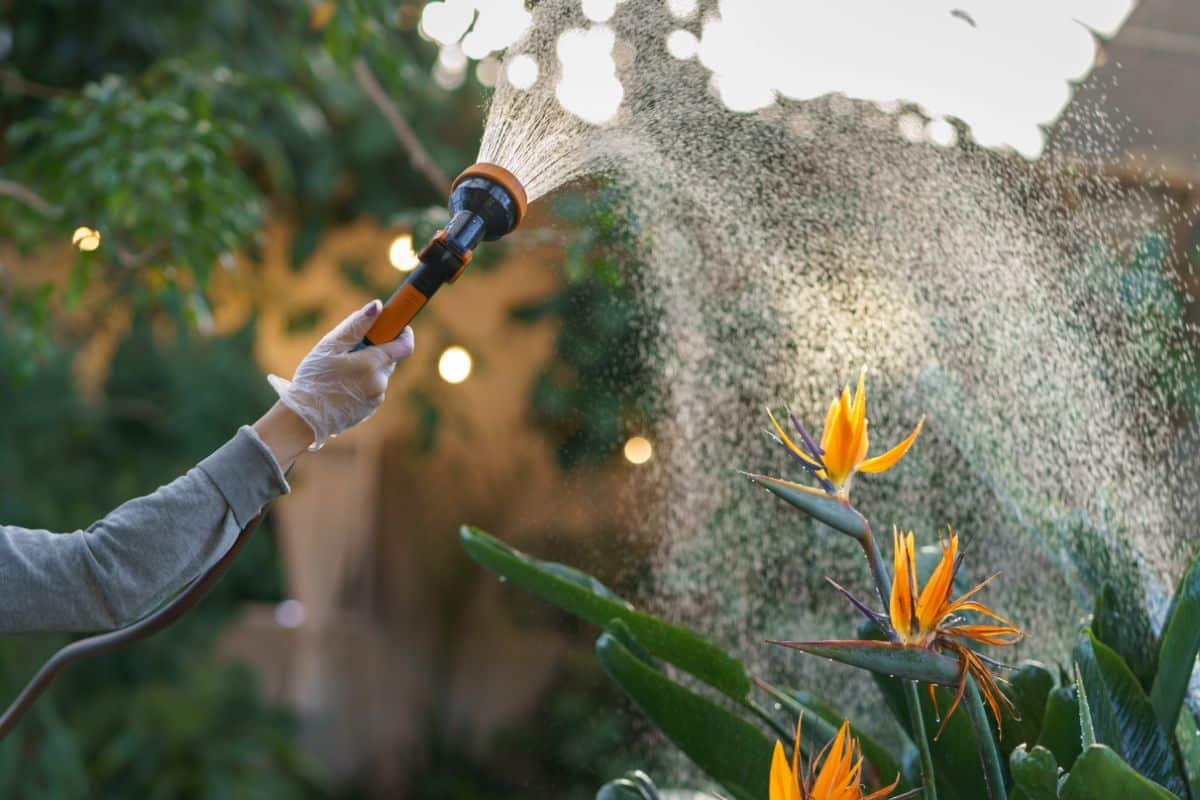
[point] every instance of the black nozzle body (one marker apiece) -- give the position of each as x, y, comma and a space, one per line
489, 201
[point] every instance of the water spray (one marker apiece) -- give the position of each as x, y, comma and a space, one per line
487, 202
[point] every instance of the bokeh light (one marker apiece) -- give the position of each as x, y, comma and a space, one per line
86, 239
681, 9
454, 365
638, 450
290, 614
487, 72
682, 44
401, 253
522, 71
599, 10
589, 88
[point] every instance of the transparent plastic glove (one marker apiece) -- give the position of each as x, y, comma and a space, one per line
335, 389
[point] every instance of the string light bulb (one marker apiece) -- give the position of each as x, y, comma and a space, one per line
401, 253
455, 364
638, 450
86, 239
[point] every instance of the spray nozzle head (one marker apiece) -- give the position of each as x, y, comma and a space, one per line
493, 194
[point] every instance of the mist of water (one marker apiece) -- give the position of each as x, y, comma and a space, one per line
785, 249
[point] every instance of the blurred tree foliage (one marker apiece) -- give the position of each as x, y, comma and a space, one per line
162, 719
175, 131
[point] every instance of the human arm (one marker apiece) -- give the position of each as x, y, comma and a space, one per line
133, 559
122, 566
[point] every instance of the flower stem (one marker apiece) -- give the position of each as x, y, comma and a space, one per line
984, 741
883, 583
913, 701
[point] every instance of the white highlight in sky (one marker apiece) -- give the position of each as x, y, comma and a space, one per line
1003, 68
681, 9
942, 133
682, 44
589, 88
522, 71
480, 27
599, 10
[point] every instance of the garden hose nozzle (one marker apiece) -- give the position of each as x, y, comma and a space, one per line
486, 202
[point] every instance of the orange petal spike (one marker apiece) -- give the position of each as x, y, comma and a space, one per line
886, 461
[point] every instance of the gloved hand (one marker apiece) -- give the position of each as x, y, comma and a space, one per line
334, 389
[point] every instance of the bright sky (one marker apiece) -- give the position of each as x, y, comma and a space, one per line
1004, 68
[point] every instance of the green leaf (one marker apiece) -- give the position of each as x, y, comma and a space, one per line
1060, 726
884, 658
1035, 773
1028, 687
1120, 621
1123, 717
837, 514
1087, 729
1177, 653
585, 597
955, 759
1100, 774
1187, 736
729, 749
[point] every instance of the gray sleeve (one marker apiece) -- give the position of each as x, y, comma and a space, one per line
120, 568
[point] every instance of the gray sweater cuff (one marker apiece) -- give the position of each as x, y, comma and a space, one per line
246, 473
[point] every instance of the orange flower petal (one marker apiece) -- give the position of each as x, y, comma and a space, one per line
935, 599
886, 461
783, 783
900, 608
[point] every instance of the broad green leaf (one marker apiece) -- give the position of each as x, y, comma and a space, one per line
1029, 686
837, 514
884, 658
1120, 621
587, 598
1100, 774
1122, 715
1034, 773
729, 749
1087, 727
1187, 736
1177, 653
955, 759
1060, 726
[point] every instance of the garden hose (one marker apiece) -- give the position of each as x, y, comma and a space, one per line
486, 202
106, 642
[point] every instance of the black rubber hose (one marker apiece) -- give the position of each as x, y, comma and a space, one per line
101, 643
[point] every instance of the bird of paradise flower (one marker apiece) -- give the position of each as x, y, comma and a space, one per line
842, 452
834, 773
931, 619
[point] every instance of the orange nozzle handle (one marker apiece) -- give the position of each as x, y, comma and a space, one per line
397, 313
